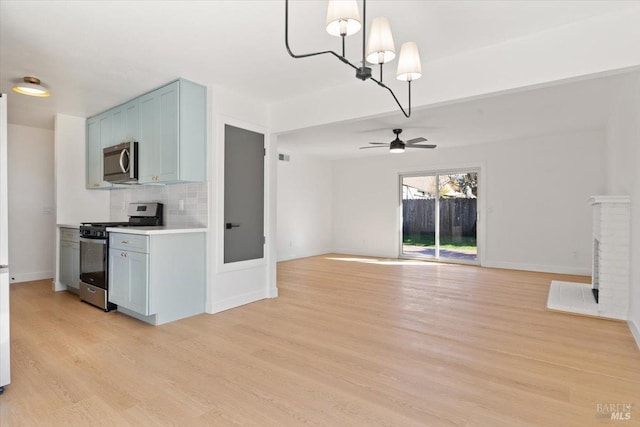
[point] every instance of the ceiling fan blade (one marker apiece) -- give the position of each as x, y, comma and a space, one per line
415, 140
422, 146
376, 146
379, 143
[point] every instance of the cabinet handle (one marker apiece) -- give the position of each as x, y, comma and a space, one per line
124, 254
126, 242
96, 185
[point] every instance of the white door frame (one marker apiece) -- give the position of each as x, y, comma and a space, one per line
243, 281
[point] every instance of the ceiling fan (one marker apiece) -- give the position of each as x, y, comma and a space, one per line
397, 145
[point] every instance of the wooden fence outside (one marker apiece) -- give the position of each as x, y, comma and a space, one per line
457, 217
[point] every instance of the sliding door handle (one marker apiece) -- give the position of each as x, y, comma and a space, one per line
230, 225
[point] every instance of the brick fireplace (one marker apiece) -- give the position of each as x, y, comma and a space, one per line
608, 295
611, 254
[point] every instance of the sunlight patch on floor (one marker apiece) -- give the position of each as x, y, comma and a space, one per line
385, 261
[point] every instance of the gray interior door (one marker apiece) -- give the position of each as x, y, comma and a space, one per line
243, 194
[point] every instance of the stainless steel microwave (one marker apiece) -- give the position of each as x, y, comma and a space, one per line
120, 163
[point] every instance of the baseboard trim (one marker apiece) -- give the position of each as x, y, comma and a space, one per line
540, 268
305, 254
238, 300
635, 331
30, 277
362, 252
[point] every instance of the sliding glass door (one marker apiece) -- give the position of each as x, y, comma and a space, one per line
439, 215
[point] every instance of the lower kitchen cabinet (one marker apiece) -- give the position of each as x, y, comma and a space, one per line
129, 277
69, 268
157, 278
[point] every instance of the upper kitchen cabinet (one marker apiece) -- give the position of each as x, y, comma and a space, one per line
124, 123
119, 124
98, 136
169, 125
172, 139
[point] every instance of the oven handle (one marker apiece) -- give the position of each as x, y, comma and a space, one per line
97, 241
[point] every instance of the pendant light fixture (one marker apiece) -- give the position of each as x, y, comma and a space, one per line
31, 86
343, 20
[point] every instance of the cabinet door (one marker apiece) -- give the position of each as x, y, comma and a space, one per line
66, 263
118, 278
106, 134
75, 265
98, 127
149, 128
168, 148
139, 279
124, 123
118, 126
131, 111
128, 280
158, 138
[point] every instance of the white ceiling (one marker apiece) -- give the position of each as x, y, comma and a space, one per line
97, 54
563, 107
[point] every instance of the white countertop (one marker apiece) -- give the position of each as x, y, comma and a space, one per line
149, 231
68, 225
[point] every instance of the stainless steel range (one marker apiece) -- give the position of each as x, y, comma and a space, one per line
94, 251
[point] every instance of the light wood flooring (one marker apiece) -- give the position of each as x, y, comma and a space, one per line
349, 342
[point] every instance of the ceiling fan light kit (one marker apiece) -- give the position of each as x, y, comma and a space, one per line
398, 145
343, 20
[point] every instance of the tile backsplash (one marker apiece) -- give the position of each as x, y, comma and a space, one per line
194, 199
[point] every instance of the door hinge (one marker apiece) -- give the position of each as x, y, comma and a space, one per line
264, 240
264, 152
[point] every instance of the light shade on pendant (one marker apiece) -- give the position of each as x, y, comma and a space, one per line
409, 67
380, 48
343, 18
31, 86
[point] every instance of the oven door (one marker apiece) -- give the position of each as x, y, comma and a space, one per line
93, 262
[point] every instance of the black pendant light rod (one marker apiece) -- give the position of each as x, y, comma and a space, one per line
363, 73
364, 33
306, 55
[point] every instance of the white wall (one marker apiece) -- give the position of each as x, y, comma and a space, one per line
31, 203
74, 203
533, 192
304, 207
623, 158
